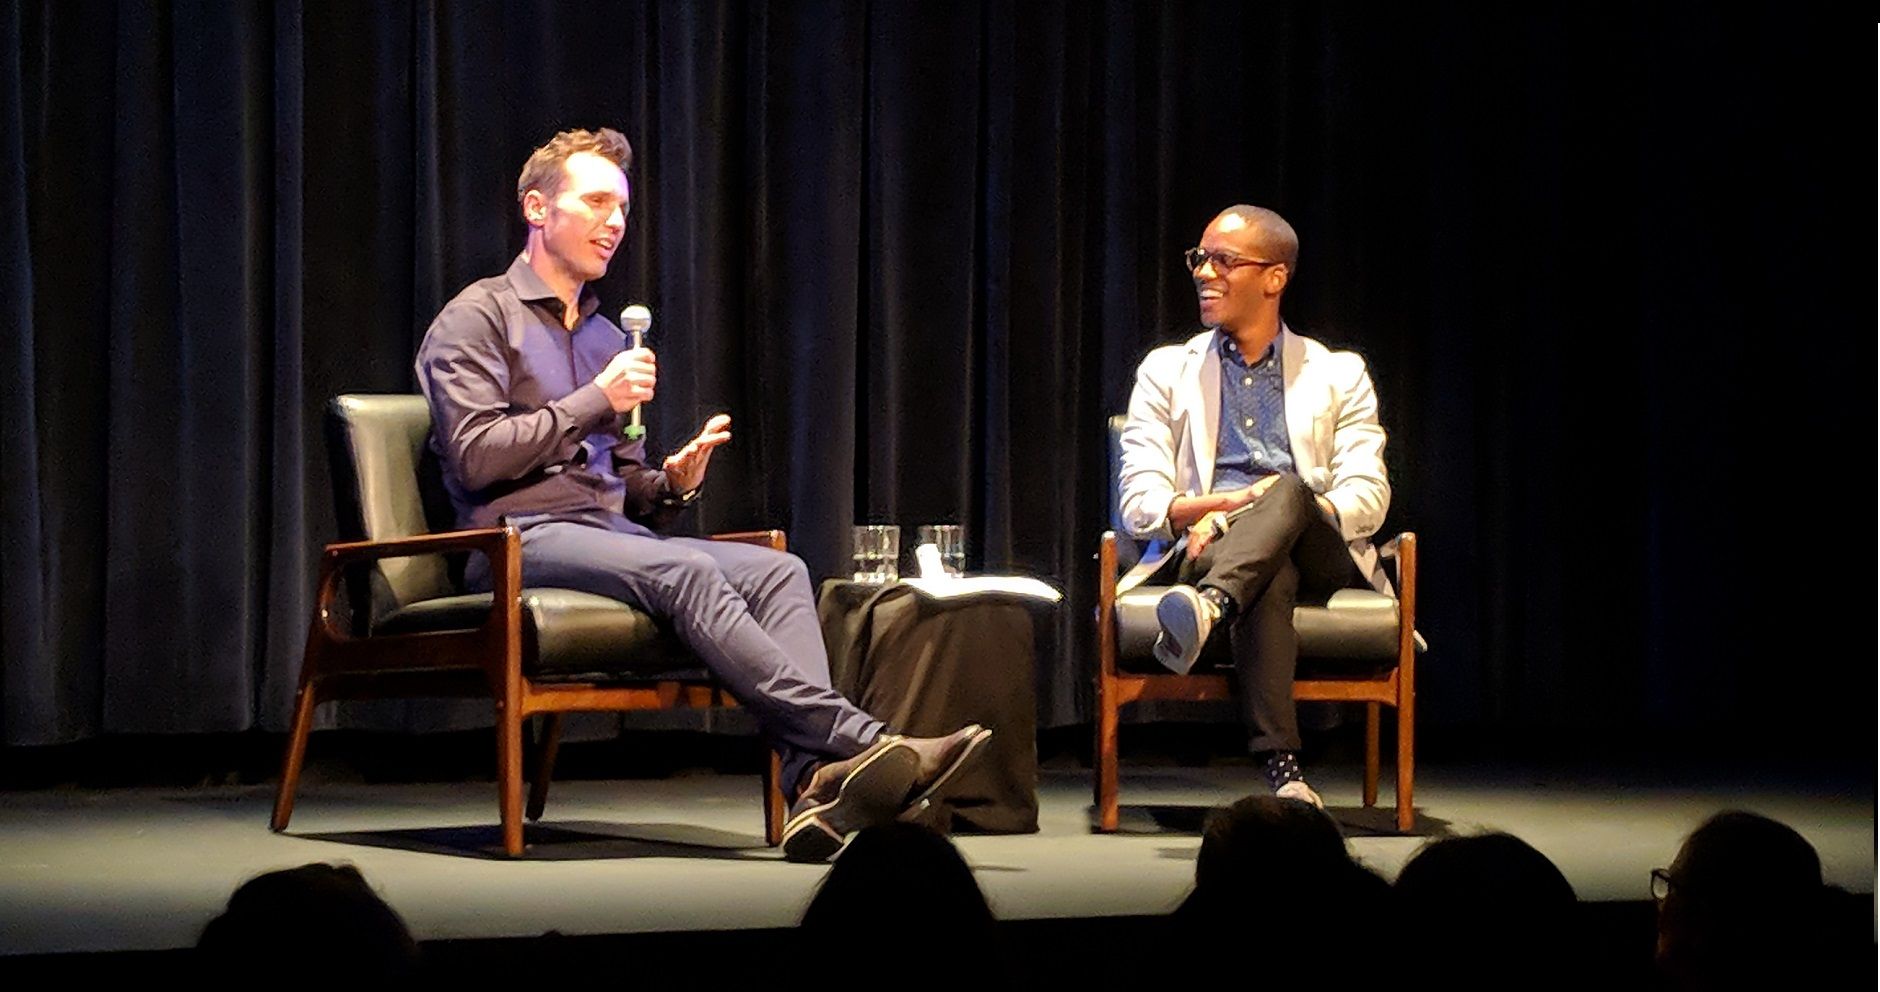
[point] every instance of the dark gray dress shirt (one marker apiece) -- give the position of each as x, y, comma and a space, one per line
521, 428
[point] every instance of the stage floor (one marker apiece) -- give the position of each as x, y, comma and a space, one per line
144, 869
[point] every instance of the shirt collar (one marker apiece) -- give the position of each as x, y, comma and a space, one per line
530, 287
1231, 353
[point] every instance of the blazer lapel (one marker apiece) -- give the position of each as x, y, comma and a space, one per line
1204, 424
1302, 405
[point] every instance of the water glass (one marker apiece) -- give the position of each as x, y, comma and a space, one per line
951, 540
877, 553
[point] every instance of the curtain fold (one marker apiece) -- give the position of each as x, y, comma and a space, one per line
916, 250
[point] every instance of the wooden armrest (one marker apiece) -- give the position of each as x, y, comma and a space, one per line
503, 546
772, 539
1106, 609
492, 541
1402, 548
1106, 571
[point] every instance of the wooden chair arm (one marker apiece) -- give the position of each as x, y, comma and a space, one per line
502, 545
772, 539
1106, 569
1106, 608
489, 540
1403, 547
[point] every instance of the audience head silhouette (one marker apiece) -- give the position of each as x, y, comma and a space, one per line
1492, 906
1279, 866
899, 875
1264, 841
1742, 903
321, 919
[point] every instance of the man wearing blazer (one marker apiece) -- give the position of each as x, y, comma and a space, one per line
1254, 461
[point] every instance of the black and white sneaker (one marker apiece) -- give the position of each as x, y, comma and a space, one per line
1187, 618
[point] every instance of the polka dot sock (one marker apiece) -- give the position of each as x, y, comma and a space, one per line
1282, 767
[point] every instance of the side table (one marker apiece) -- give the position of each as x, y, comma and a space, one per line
928, 666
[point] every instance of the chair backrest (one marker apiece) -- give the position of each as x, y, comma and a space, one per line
1128, 550
386, 485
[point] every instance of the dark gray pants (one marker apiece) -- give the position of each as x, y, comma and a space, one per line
1278, 553
748, 613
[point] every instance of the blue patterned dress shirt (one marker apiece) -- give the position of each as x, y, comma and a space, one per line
1253, 439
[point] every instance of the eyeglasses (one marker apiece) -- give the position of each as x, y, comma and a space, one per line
1223, 261
1661, 883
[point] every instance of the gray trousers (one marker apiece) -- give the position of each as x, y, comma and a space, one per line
748, 613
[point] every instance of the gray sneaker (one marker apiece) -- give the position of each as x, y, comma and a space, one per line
1187, 617
1299, 790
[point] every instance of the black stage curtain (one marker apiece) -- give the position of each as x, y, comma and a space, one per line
1594, 254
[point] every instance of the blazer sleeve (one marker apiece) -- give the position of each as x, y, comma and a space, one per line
1360, 489
1150, 440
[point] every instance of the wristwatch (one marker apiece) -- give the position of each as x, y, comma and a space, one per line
681, 499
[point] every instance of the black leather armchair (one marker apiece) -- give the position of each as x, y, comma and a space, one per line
1361, 646
414, 633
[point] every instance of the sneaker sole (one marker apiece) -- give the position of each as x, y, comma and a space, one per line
1179, 616
874, 793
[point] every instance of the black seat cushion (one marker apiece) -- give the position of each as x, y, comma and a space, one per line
566, 635
1355, 630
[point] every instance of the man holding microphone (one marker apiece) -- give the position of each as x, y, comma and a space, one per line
527, 384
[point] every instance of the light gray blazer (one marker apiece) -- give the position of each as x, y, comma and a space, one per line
1169, 442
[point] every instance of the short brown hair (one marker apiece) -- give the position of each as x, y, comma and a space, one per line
544, 169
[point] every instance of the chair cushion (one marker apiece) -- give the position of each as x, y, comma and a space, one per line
565, 635
1355, 628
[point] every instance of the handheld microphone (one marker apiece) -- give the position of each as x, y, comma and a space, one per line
636, 320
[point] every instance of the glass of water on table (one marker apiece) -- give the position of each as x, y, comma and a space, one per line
877, 553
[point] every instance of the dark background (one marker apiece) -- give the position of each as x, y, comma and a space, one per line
1609, 264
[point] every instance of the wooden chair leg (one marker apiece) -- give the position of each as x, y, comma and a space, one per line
1370, 754
304, 703
1406, 766
544, 765
509, 776
775, 809
1105, 758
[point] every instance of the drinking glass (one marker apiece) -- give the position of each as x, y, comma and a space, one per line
951, 540
877, 553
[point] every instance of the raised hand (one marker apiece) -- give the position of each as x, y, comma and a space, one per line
685, 468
